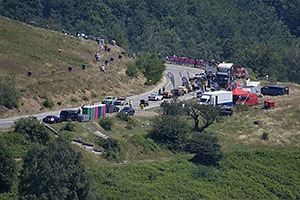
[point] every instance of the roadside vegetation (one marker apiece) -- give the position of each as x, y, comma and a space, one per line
149, 160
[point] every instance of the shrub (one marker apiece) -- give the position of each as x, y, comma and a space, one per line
132, 70
47, 103
59, 103
146, 144
123, 116
9, 96
265, 136
33, 130
106, 123
73, 99
69, 126
170, 131
93, 95
85, 98
114, 150
206, 147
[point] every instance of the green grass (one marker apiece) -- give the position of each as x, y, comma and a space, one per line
263, 174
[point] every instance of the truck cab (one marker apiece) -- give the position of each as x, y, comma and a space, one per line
224, 74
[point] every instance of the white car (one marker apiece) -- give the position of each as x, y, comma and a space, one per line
155, 97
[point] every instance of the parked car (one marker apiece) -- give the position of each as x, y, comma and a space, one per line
177, 92
128, 110
109, 100
155, 97
184, 89
51, 119
110, 108
274, 90
225, 111
121, 101
66, 115
167, 94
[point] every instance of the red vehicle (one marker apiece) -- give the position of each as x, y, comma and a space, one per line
177, 92
242, 97
240, 72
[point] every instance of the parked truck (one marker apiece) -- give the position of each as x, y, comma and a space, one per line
216, 98
224, 74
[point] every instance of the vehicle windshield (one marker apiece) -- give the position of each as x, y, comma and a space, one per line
204, 99
242, 98
122, 99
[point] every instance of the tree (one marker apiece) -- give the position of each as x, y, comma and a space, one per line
171, 108
206, 148
8, 168
170, 131
54, 171
208, 114
33, 130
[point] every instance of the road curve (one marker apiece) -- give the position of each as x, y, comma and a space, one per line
179, 71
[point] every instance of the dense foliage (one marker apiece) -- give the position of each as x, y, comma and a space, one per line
261, 35
54, 172
256, 174
33, 130
8, 168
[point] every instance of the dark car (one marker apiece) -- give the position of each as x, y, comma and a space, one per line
66, 115
51, 119
225, 111
128, 110
274, 90
111, 108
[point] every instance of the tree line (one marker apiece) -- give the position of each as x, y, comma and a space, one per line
260, 35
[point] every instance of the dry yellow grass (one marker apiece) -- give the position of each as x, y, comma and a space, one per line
25, 48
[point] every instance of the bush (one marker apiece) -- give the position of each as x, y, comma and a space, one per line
93, 95
85, 98
146, 144
69, 126
47, 103
73, 99
132, 71
170, 131
9, 96
33, 130
106, 123
265, 136
206, 147
114, 150
59, 103
151, 66
123, 116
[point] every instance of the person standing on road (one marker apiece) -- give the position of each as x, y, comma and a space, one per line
130, 103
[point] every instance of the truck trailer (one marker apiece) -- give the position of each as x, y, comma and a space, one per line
216, 98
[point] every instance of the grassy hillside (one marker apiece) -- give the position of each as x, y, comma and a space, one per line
25, 48
244, 129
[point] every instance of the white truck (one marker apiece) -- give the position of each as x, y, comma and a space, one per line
216, 98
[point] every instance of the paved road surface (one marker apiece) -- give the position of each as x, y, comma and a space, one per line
178, 71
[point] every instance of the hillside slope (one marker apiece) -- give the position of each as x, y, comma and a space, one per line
25, 48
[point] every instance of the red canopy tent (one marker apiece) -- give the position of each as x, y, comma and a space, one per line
239, 91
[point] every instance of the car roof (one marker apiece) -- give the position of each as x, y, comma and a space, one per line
274, 86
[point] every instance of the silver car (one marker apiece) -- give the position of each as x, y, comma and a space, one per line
155, 97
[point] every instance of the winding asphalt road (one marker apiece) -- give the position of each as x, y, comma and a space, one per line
179, 71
